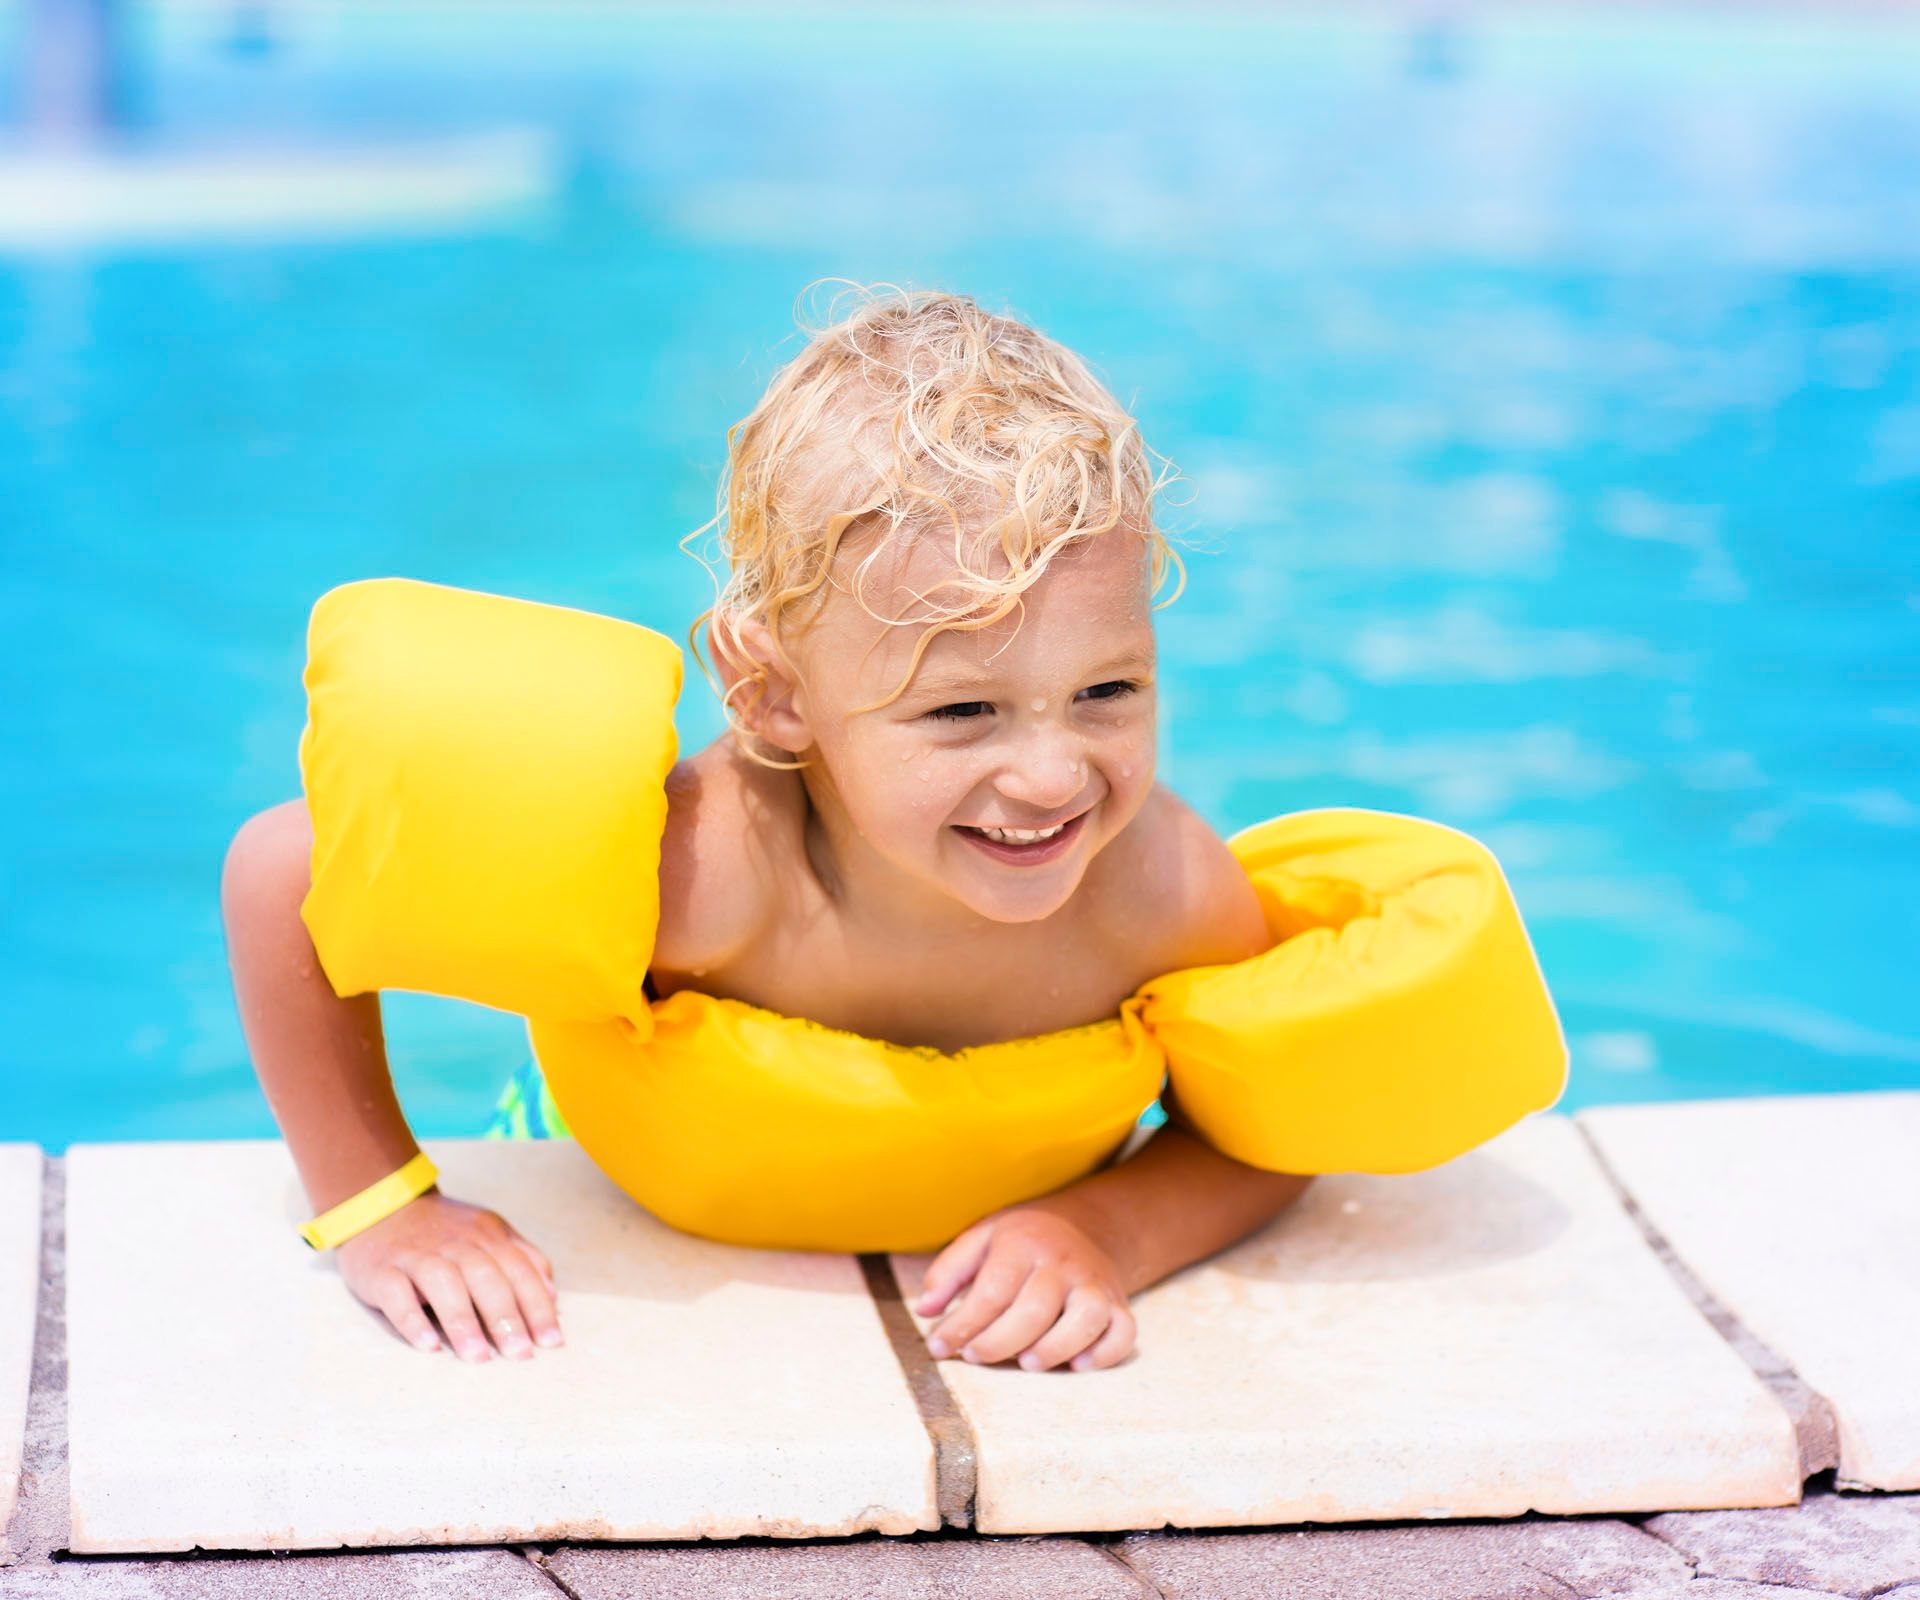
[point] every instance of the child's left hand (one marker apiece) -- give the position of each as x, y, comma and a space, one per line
1041, 1289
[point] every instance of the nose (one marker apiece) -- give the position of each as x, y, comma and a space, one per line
1045, 769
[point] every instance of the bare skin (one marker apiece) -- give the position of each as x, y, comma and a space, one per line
855, 891
848, 892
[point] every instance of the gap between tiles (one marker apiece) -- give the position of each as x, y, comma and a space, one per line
955, 1454
1815, 1428
38, 1530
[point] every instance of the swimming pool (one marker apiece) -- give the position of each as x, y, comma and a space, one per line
1547, 388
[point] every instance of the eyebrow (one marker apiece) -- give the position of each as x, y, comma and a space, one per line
944, 680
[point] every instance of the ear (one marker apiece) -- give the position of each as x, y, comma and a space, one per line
761, 684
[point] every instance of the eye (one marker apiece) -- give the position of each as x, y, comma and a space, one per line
1114, 690
962, 710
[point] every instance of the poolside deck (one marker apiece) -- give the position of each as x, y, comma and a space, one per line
1774, 1353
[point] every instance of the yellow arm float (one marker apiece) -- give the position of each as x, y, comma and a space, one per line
1399, 1019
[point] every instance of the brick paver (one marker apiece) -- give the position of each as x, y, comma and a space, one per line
954, 1568
1843, 1544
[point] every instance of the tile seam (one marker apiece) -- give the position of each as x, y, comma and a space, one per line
538, 1561
15, 1552
41, 1524
1816, 1430
955, 1452
1118, 1557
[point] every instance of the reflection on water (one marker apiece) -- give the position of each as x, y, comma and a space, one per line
1547, 396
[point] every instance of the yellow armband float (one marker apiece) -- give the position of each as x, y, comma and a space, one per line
1399, 1019
486, 778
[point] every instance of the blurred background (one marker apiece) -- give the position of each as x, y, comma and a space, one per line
1545, 382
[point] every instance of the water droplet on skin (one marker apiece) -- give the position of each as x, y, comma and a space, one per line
1126, 772
1039, 705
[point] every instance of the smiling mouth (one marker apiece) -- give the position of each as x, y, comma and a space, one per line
1023, 846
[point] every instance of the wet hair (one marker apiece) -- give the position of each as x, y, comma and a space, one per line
916, 415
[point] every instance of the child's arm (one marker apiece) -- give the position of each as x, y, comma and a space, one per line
1048, 1280
322, 1062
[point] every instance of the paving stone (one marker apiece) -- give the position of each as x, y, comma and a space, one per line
910, 1569
1486, 1338
703, 1390
1801, 1215
1718, 1589
1843, 1543
20, 1169
400, 1575
1473, 1561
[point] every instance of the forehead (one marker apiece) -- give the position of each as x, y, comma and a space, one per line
1094, 599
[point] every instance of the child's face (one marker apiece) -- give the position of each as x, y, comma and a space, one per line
1037, 723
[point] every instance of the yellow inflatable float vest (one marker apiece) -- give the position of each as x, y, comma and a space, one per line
486, 782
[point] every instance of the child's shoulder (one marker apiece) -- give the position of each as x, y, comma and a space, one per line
725, 818
1180, 892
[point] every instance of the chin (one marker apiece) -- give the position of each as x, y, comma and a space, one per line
1031, 906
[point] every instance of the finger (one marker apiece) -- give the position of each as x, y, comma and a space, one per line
445, 1288
1034, 1310
1087, 1315
534, 1254
494, 1299
991, 1292
1112, 1347
395, 1298
952, 1270
503, 1234
533, 1291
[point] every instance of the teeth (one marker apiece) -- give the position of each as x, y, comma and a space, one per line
1021, 835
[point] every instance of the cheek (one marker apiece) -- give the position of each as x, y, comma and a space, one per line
937, 786
915, 787
1128, 761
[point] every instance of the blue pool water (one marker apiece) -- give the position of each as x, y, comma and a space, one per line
1547, 391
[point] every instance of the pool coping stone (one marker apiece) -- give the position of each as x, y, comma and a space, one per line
1834, 1543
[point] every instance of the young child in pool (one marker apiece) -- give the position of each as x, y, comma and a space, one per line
934, 820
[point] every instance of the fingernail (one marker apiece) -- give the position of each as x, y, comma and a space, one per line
474, 1350
426, 1341
969, 1354
938, 1348
549, 1337
519, 1349
1028, 1363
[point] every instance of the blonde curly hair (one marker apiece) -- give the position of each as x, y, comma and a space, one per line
915, 411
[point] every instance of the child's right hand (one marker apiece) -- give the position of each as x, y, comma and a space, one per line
468, 1264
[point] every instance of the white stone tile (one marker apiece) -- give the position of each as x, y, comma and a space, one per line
1482, 1339
226, 1390
1802, 1215
20, 1166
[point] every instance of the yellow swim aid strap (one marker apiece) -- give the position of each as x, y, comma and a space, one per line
1399, 1019
486, 778
375, 1203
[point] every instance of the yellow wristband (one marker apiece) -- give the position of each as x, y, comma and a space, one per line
361, 1211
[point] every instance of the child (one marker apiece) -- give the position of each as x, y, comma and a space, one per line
933, 821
